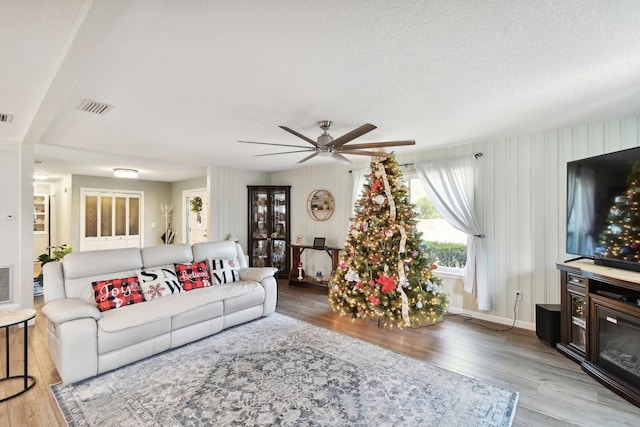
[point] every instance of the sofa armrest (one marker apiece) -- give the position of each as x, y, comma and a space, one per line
257, 274
64, 310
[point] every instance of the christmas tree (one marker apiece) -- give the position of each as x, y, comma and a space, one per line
621, 237
384, 272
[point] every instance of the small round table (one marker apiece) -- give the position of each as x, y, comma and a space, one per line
9, 318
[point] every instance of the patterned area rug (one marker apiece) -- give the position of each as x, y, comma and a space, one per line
281, 371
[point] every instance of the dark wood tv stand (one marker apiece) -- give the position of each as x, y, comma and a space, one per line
598, 305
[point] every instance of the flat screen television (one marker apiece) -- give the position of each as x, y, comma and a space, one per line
603, 209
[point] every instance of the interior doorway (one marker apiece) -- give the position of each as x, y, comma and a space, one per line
195, 221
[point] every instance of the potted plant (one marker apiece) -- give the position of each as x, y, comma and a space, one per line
57, 253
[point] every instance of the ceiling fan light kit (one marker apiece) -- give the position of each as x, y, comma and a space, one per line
326, 146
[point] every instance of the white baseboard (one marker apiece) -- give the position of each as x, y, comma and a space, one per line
494, 319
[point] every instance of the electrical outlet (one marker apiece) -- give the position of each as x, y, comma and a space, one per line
517, 295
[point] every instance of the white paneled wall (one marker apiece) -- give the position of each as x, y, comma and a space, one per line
228, 201
520, 202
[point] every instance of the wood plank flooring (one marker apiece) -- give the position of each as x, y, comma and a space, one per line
554, 391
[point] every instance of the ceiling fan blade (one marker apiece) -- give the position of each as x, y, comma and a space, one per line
269, 143
284, 152
339, 157
339, 142
380, 144
367, 153
299, 135
308, 157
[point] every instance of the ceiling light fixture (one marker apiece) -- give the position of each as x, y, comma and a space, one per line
40, 176
125, 173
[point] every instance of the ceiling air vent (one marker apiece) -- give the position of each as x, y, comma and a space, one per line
94, 107
6, 118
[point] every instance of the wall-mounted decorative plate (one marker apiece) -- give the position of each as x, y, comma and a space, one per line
320, 205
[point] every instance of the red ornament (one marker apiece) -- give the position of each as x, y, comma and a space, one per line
434, 267
387, 283
375, 259
373, 300
376, 185
359, 285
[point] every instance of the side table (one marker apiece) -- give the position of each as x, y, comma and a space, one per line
9, 318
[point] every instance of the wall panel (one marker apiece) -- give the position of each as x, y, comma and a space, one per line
228, 201
520, 203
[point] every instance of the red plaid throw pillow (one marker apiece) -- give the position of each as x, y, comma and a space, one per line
116, 293
193, 276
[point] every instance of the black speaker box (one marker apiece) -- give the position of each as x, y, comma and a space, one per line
548, 323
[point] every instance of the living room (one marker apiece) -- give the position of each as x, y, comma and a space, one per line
551, 107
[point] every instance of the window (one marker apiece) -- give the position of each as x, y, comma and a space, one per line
445, 244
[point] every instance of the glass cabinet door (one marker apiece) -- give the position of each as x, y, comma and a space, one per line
259, 215
578, 321
259, 253
279, 215
269, 227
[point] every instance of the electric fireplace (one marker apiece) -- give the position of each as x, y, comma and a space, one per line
615, 353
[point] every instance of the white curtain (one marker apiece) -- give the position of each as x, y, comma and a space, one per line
449, 185
358, 176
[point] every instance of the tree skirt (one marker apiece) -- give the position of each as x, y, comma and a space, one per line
281, 371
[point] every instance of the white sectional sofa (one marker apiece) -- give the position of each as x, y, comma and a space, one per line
85, 341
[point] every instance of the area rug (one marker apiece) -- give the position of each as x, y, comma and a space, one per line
281, 371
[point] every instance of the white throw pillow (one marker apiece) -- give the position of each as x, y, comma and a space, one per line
224, 270
158, 283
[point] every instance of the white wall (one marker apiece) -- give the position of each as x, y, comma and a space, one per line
228, 201
520, 202
155, 193
61, 217
176, 199
16, 220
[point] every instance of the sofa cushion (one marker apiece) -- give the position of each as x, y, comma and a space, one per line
159, 283
114, 340
176, 305
224, 270
193, 275
80, 269
166, 254
116, 293
219, 250
242, 295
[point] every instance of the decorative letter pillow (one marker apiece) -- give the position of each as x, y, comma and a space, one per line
193, 276
158, 283
116, 293
224, 270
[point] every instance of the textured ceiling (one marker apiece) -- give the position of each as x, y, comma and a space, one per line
187, 79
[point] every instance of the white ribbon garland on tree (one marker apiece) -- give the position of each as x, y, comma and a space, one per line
402, 277
387, 190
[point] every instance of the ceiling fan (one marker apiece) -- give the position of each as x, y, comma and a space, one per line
326, 146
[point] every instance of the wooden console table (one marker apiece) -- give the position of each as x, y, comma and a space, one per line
297, 250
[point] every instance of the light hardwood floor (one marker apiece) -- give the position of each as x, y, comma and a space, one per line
554, 391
